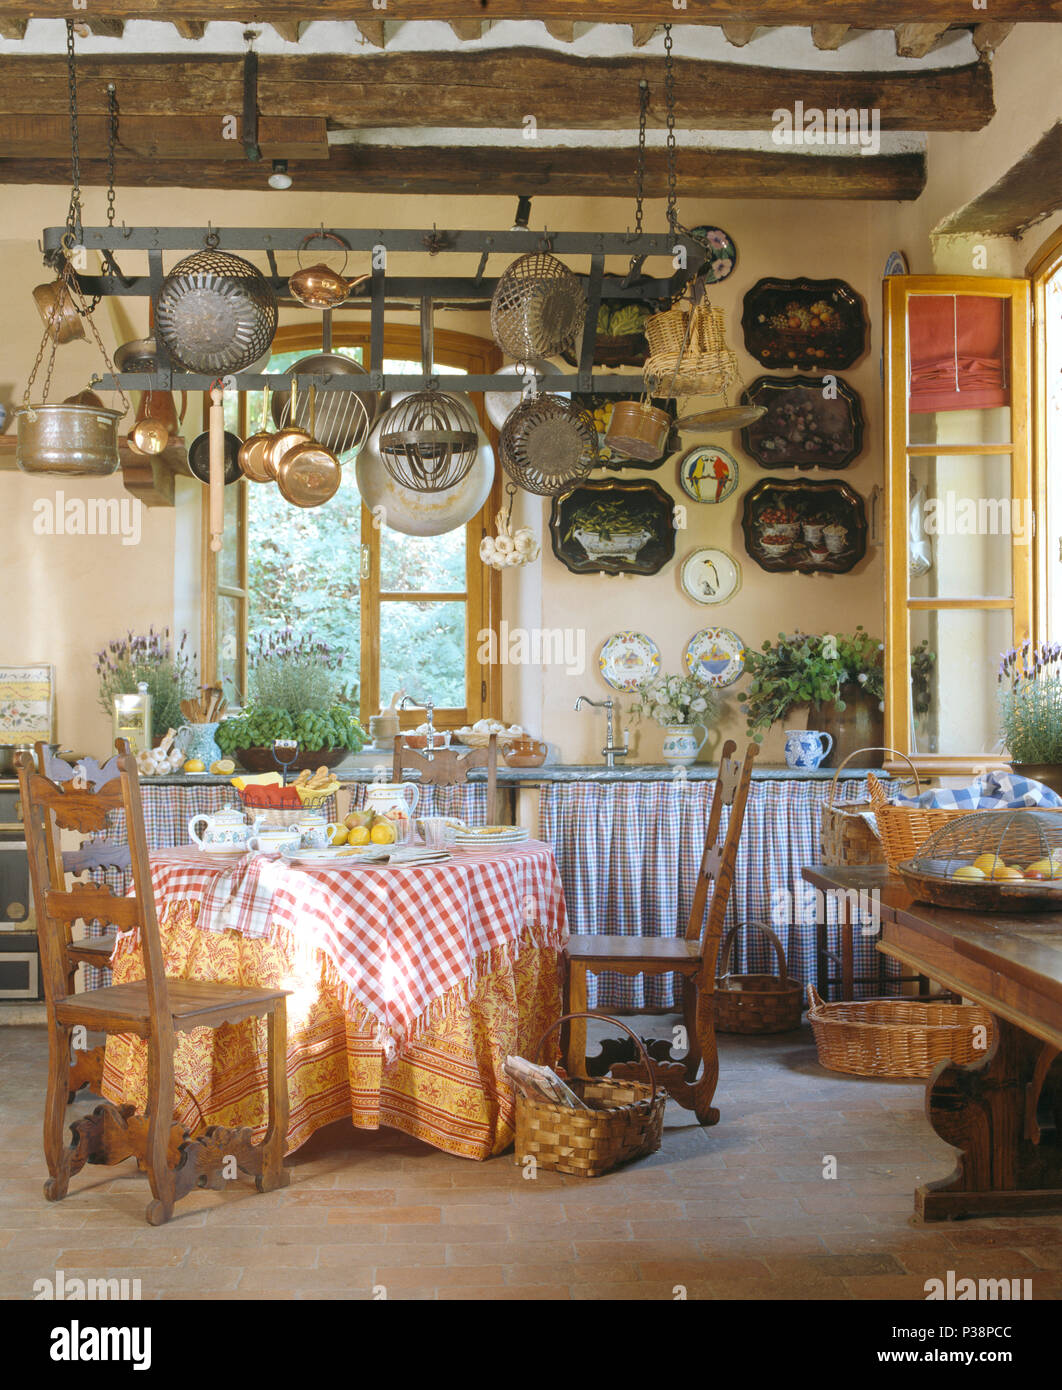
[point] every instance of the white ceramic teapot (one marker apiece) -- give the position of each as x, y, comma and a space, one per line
225, 832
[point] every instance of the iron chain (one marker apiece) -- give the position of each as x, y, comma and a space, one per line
112, 141
643, 108
669, 100
73, 216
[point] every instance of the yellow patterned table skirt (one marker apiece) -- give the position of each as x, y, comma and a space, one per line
446, 1089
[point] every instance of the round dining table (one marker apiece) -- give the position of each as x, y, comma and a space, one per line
410, 984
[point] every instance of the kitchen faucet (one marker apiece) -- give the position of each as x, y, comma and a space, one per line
408, 702
610, 752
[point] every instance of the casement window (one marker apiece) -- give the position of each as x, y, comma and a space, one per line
1045, 275
407, 611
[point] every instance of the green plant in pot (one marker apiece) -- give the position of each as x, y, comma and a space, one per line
840, 678
1030, 710
168, 673
293, 693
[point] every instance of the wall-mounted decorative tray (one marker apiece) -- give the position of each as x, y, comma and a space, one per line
804, 323
600, 407
803, 428
708, 473
620, 340
612, 527
806, 527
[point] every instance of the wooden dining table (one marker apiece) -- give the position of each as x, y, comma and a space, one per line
1003, 1113
410, 984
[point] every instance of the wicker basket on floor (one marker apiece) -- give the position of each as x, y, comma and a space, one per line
897, 1037
846, 837
756, 1003
626, 1121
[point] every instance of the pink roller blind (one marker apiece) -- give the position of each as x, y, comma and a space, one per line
958, 353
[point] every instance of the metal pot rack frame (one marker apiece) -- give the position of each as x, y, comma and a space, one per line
384, 290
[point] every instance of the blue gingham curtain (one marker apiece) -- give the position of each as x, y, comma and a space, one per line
628, 854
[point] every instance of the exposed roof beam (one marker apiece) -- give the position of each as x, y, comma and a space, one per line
288, 29
372, 31
589, 172
864, 14
829, 36
988, 37
490, 88
466, 28
642, 33
105, 27
915, 40
165, 137
1027, 193
739, 34
190, 28
12, 28
563, 30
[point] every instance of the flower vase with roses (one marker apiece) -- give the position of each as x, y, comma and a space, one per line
679, 704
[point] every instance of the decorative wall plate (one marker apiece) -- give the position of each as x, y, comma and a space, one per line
708, 473
804, 323
802, 526
716, 656
720, 254
803, 428
627, 659
600, 407
710, 576
895, 265
612, 527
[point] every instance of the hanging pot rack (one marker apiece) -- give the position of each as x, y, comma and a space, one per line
383, 288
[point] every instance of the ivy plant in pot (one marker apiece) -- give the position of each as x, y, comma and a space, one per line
1030, 711
293, 693
841, 680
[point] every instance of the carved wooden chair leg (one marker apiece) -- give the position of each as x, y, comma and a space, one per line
274, 1174
55, 1151
575, 1059
85, 1070
704, 1087
160, 1109
689, 1018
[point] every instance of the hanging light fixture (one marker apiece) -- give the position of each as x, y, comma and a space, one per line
430, 440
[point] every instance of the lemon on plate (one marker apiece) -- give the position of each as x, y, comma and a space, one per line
358, 835
383, 833
195, 765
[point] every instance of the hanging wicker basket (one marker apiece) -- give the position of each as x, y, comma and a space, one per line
688, 353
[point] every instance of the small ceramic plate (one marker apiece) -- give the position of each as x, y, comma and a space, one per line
716, 656
627, 659
708, 473
720, 253
710, 576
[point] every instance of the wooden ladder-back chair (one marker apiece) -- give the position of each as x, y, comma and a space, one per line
692, 956
449, 767
153, 1008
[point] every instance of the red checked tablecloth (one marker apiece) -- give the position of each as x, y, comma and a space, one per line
410, 986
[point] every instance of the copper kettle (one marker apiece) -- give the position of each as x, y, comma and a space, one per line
319, 286
157, 421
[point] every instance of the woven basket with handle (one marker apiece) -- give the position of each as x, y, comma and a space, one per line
626, 1121
897, 1037
846, 837
904, 829
756, 1003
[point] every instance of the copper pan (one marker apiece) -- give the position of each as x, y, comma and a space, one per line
309, 474
283, 442
252, 456
59, 312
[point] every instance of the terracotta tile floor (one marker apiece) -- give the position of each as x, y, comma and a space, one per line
741, 1210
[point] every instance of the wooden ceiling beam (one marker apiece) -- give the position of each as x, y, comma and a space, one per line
288, 29
175, 137
466, 29
190, 28
105, 27
561, 29
864, 14
739, 34
479, 89
372, 31
478, 171
12, 28
915, 40
642, 33
1029, 191
988, 37
829, 36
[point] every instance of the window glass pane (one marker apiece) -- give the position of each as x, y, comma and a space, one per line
422, 650
409, 564
229, 647
954, 696
959, 350
303, 569
990, 426
1053, 462
962, 524
228, 557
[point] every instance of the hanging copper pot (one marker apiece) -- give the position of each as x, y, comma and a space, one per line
59, 312
284, 441
319, 286
157, 421
309, 474
253, 450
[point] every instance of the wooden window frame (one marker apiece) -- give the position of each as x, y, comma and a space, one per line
1045, 264
897, 290
482, 595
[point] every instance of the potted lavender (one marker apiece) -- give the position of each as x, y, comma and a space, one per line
1030, 710
168, 673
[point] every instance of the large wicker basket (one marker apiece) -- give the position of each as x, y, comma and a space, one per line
626, 1122
846, 837
897, 1037
756, 1003
904, 829
688, 352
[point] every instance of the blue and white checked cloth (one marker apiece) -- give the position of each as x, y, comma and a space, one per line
993, 791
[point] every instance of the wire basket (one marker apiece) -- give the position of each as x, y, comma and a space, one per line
688, 352
992, 861
216, 313
537, 308
897, 1037
429, 441
547, 444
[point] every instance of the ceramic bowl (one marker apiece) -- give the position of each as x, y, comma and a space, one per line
525, 752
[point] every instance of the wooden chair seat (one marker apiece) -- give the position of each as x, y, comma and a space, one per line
683, 954
192, 1004
93, 950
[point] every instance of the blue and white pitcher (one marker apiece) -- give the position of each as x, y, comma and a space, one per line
804, 749
197, 740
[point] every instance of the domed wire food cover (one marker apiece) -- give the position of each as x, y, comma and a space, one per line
216, 313
538, 307
994, 861
547, 444
429, 441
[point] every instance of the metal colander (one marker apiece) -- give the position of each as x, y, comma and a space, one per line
538, 307
216, 313
547, 443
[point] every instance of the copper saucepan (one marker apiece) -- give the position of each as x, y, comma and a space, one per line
59, 312
283, 441
252, 456
309, 474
